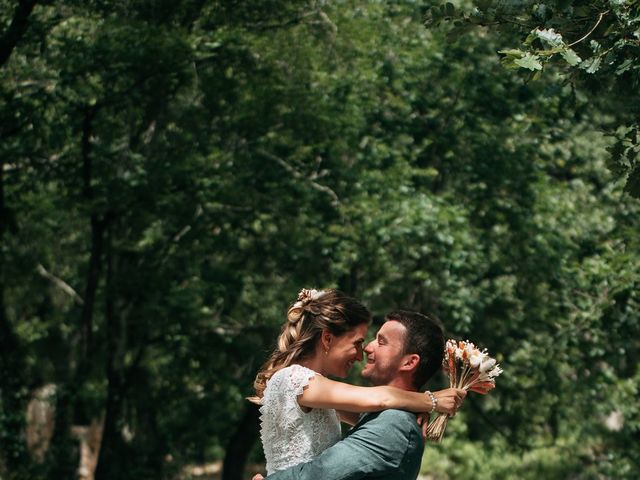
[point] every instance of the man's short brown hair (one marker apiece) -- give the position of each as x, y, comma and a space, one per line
424, 336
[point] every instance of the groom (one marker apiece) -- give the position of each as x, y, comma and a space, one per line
406, 353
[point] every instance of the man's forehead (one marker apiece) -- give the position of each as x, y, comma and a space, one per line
392, 328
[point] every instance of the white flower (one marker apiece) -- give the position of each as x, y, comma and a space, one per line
470, 348
494, 372
306, 295
459, 352
487, 364
475, 360
316, 294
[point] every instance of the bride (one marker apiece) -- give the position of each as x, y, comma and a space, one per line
301, 408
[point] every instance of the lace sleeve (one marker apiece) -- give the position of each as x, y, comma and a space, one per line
287, 385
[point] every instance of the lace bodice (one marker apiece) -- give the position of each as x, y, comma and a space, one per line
289, 435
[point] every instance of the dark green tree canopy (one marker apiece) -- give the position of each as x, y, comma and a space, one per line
172, 173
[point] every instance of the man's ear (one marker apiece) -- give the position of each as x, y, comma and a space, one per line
410, 362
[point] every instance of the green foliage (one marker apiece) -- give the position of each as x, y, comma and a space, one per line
219, 159
593, 44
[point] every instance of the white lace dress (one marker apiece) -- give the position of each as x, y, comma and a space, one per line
289, 435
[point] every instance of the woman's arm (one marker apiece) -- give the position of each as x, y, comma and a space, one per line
324, 393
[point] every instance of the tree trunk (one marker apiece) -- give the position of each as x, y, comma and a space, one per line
99, 224
109, 461
13, 396
17, 29
240, 445
70, 409
81, 415
63, 455
98, 227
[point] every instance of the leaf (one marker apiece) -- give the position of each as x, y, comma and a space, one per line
530, 38
550, 37
514, 52
450, 10
432, 17
529, 61
632, 187
571, 57
624, 66
591, 65
510, 57
616, 161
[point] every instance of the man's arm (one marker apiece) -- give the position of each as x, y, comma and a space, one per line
373, 448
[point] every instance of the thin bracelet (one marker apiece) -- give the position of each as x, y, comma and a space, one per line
434, 401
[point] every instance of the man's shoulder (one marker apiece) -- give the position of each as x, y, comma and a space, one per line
396, 430
399, 418
400, 421
397, 415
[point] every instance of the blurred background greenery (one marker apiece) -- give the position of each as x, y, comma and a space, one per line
172, 172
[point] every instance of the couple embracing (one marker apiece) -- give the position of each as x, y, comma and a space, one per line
301, 407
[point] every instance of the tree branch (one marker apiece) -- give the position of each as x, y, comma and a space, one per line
61, 284
602, 14
16, 30
335, 201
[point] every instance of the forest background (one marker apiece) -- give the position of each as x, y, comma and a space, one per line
172, 172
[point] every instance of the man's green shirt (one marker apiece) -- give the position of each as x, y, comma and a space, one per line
383, 445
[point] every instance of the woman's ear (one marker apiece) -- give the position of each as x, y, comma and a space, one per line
325, 340
410, 362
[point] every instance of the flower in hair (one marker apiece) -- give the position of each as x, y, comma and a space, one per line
307, 295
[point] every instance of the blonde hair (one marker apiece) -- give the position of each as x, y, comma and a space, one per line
314, 312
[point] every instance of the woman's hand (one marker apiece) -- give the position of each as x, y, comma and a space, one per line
257, 476
449, 400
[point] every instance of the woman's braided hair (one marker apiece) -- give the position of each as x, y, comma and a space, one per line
313, 312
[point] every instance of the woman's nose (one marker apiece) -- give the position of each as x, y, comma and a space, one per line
369, 347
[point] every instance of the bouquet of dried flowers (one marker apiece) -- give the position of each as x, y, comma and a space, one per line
468, 368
